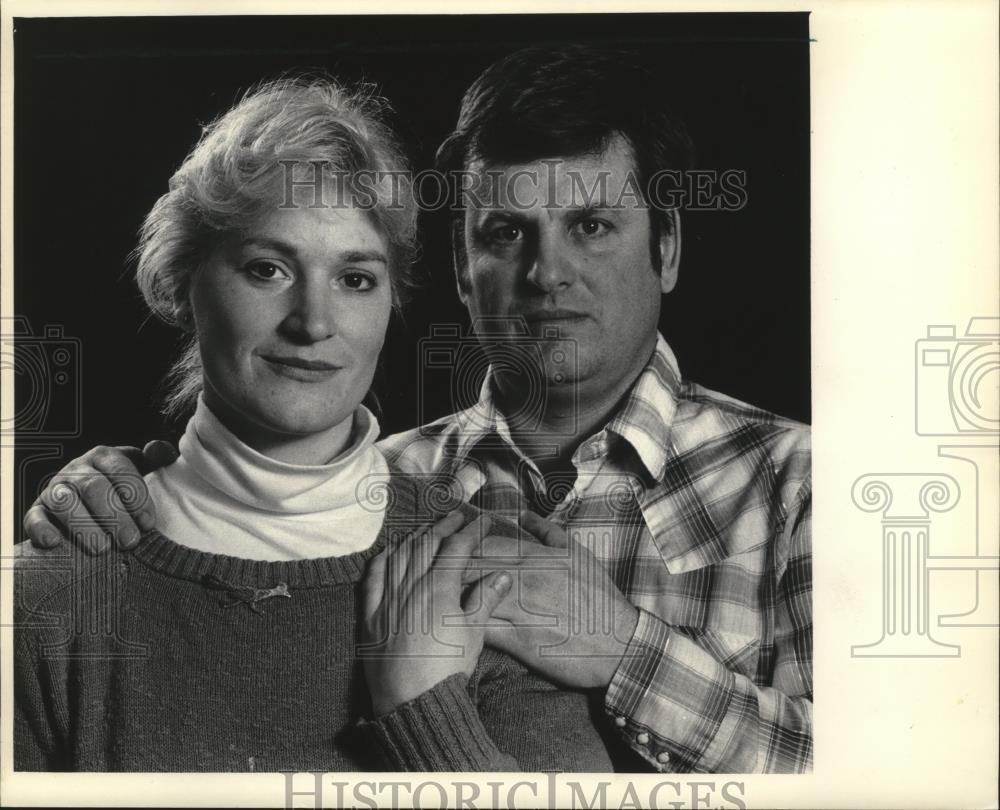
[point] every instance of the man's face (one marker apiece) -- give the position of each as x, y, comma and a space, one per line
565, 245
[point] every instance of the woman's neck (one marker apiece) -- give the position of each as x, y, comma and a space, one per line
311, 449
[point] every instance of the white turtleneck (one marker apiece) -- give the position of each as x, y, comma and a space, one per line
223, 497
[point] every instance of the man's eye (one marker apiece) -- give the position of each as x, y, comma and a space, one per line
360, 282
592, 227
505, 234
266, 271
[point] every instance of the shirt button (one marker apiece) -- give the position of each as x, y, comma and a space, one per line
663, 757
642, 739
620, 722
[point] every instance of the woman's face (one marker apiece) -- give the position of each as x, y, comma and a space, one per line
291, 315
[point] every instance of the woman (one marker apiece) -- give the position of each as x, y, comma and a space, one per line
227, 640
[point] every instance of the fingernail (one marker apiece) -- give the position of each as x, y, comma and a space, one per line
145, 520
48, 539
502, 583
129, 540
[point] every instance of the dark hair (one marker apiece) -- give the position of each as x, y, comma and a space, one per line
545, 102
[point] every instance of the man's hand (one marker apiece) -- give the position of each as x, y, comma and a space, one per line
101, 493
565, 617
417, 629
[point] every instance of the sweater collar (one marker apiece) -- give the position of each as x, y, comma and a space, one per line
215, 454
162, 554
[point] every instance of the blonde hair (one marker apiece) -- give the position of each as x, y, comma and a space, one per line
239, 168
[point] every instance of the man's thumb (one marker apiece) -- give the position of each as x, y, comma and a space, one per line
547, 532
158, 453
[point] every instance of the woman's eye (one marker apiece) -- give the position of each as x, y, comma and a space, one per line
593, 227
358, 281
266, 271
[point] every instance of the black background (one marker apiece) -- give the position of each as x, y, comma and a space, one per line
107, 108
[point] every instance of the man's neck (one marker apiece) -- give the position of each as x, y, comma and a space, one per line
551, 435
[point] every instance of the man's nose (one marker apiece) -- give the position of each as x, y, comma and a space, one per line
551, 265
312, 315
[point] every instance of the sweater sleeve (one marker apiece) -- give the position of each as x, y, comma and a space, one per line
37, 741
505, 719
34, 738
439, 730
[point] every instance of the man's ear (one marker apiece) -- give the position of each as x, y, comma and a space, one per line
670, 250
460, 259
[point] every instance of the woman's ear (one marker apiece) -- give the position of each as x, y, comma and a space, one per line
670, 250
183, 316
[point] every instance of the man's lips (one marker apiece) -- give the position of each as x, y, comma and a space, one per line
554, 315
300, 368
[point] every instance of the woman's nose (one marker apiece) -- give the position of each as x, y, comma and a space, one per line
311, 318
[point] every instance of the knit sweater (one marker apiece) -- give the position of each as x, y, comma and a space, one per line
172, 659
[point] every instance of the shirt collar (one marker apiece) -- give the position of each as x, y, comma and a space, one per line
481, 424
643, 420
646, 416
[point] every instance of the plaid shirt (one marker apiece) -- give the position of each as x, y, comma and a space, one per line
699, 507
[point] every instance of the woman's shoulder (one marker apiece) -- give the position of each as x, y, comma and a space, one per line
49, 583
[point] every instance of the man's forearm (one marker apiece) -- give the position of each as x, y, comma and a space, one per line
684, 711
677, 703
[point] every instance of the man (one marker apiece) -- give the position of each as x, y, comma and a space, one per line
680, 590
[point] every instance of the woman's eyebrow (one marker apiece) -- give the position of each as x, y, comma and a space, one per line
272, 244
364, 256
290, 250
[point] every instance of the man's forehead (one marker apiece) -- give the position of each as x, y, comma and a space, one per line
605, 177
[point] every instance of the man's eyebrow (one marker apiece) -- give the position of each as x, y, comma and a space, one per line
503, 215
600, 206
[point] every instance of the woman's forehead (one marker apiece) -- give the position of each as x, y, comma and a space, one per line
335, 229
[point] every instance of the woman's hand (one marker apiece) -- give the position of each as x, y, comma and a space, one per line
417, 628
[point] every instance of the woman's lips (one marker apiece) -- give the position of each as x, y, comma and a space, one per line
297, 368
